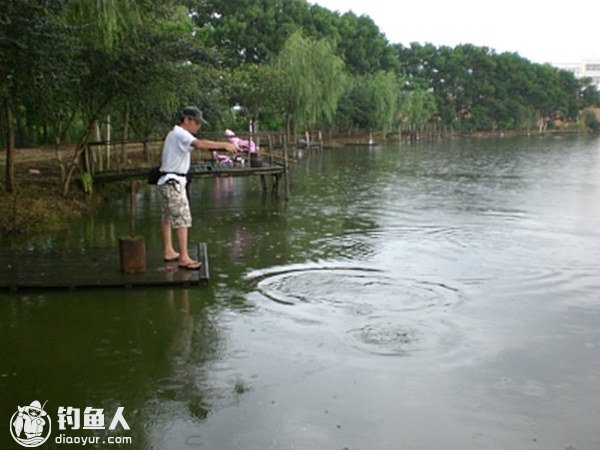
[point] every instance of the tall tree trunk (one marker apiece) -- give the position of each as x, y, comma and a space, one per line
9, 182
61, 164
71, 169
288, 127
74, 164
61, 130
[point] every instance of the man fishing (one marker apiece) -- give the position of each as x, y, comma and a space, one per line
175, 164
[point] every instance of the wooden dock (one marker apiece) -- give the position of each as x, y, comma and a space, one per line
202, 170
94, 268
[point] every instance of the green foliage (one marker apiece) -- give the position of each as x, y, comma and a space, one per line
251, 87
87, 182
371, 102
35, 210
254, 32
590, 119
282, 61
248, 31
385, 92
416, 107
477, 89
588, 94
105, 23
310, 79
364, 48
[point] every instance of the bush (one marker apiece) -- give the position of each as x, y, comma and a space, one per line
590, 120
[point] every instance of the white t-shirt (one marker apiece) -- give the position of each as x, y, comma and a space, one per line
176, 154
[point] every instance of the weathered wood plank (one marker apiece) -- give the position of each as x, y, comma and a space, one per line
196, 171
94, 268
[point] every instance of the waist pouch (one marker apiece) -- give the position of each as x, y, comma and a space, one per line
155, 173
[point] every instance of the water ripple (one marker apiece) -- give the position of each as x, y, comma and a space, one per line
345, 286
404, 336
369, 309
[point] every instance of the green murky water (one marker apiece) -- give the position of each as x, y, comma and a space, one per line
437, 296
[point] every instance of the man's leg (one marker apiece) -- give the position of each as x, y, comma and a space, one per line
184, 259
176, 213
169, 252
182, 239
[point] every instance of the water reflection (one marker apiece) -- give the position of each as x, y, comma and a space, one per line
108, 349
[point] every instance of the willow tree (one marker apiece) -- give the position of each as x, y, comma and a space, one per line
310, 79
251, 86
370, 103
416, 108
384, 91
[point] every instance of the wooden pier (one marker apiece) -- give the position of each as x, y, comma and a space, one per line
204, 170
95, 268
106, 165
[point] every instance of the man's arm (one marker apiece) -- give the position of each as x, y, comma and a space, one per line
204, 144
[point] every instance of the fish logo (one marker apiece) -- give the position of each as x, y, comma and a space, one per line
30, 426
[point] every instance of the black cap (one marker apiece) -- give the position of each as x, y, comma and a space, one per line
193, 113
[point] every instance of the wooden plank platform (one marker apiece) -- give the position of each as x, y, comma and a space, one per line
201, 170
94, 268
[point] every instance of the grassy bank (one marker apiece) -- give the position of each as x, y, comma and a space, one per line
35, 210
36, 207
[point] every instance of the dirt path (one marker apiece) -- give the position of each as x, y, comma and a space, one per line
32, 155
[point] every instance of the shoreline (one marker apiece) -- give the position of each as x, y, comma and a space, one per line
37, 208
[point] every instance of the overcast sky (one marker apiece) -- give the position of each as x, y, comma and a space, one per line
541, 31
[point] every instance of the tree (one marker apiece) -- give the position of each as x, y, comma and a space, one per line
416, 108
248, 31
251, 88
364, 48
139, 60
477, 89
311, 79
254, 32
588, 93
371, 102
99, 27
32, 42
589, 119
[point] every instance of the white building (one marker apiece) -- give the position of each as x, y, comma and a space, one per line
589, 68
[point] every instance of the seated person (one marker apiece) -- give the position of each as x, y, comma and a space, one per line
242, 144
221, 159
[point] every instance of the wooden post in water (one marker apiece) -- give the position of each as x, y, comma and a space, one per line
146, 151
270, 138
108, 143
286, 180
132, 249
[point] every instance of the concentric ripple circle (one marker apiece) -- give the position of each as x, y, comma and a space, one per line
347, 286
373, 310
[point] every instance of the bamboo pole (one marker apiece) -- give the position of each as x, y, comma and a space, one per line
273, 155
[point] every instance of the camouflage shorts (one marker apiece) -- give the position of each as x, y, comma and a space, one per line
175, 206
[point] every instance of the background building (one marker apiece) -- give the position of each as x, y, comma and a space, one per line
587, 68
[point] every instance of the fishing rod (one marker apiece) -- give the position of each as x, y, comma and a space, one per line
274, 155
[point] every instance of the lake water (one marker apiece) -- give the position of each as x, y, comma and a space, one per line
441, 296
